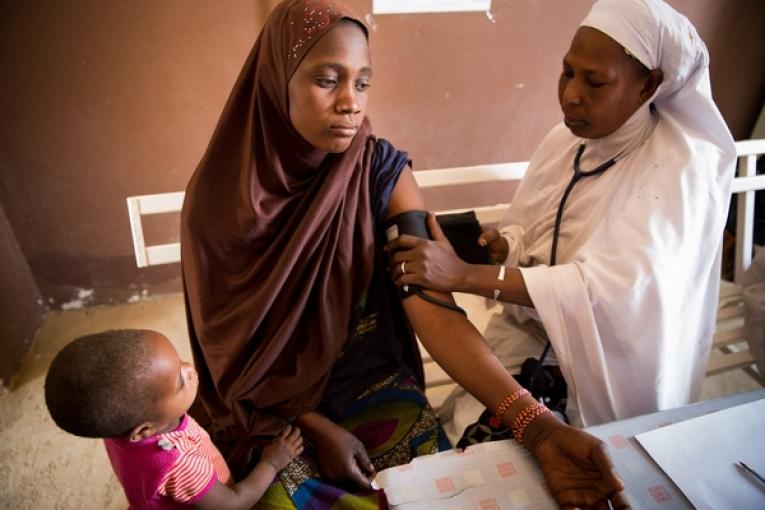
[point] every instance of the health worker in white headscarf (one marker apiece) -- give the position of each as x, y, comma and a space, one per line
639, 173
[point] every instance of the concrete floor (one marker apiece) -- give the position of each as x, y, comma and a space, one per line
42, 467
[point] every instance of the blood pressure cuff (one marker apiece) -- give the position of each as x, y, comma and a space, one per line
461, 229
413, 223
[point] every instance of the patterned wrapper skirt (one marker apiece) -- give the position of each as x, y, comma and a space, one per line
394, 422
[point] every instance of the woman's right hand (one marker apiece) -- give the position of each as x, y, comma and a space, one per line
342, 456
497, 244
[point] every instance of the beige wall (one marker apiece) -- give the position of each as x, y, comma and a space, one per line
105, 99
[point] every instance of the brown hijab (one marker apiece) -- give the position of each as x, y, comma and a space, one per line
277, 242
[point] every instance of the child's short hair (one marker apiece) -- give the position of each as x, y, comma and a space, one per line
98, 385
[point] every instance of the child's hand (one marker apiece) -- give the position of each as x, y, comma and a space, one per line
287, 446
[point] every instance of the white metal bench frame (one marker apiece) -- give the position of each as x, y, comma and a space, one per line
729, 351
143, 205
745, 184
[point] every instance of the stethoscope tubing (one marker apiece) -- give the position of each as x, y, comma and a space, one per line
578, 175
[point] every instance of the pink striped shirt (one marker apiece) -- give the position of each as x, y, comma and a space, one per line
168, 470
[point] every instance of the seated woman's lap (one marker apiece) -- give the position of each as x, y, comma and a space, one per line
394, 421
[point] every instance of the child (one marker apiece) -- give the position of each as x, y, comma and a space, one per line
131, 388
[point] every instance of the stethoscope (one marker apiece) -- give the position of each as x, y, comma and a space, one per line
578, 175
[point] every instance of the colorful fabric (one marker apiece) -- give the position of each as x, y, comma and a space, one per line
483, 431
394, 422
167, 471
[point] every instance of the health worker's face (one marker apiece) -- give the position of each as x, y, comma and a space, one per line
601, 86
328, 92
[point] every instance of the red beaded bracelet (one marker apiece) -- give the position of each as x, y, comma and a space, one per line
529, 414
496, 420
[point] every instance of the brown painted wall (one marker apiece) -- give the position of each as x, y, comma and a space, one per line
21, 305
108, 99
105, 99
458, 89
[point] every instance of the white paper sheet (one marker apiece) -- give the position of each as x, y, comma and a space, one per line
410, 6
488, 476
700, 456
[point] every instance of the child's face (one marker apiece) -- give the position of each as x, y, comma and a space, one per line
175, 380
328, 92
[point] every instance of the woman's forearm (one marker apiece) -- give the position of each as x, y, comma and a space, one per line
314, 425
461, 351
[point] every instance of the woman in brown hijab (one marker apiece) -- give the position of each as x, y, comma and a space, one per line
291, 314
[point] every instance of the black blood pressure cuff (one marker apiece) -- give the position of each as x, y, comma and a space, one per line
413, 223
461, 229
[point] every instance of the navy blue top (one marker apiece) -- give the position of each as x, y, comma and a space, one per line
387, 165
380, 340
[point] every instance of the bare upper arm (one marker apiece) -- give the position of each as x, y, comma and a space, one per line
406, 195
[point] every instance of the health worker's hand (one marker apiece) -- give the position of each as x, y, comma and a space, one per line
576, 465
430, 264
497, 244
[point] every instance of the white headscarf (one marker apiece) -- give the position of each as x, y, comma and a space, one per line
630, 307
660, 37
